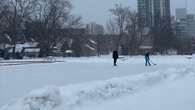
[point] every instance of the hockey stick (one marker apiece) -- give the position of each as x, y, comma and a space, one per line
123, 58
152, 62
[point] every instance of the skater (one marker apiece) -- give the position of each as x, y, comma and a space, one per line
147, 59
115, 57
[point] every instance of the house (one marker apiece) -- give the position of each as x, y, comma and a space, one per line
70, 39
32, 52
97, 45
27, 49
89, 48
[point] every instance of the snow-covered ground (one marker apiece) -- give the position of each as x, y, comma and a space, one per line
85, 83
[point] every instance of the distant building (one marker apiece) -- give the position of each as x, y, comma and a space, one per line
191, 25
70, 42
181, 13
154, 11
154, 15
185, 24
181, 28
95, 29
27, 49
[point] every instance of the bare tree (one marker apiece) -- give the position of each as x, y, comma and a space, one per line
15, 13
52, 16
164, 37
42, 18
120, 14
135, 31
112, 27
74, 22
127, 23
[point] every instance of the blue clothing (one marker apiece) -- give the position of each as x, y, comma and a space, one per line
147, 59
147, 63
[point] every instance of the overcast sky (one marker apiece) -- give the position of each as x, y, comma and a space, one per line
97, 10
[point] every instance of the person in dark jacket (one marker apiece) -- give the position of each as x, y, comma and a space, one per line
115, 57
147, 59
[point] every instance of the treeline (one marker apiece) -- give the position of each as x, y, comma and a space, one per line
133, 34
42, 18
47, 22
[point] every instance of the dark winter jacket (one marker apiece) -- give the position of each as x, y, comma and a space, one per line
147, 56
115, 55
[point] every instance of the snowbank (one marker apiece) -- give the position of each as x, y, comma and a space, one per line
171, 95
63, 98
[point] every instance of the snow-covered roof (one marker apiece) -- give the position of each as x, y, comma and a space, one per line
32, 50
19, 47
92, 41
145, 47
68, 51
89, 47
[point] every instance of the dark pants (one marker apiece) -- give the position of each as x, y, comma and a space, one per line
147, 62
115, 60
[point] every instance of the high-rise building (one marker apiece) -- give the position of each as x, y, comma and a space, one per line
181, 13
144, 11
154, 12
95, 29
185, 26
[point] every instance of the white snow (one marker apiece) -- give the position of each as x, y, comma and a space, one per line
69, 51
94, 84
32, 50
93, 42
89, 47
172, 95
